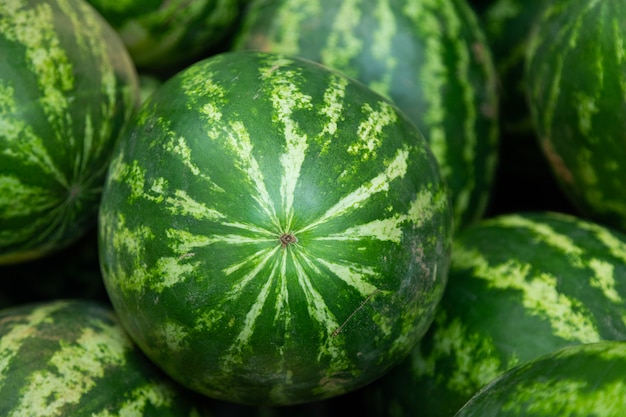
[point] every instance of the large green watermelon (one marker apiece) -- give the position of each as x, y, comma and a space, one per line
67, 86
576, 381
273, 232
73, 358
429, 57
576, 80
520, 285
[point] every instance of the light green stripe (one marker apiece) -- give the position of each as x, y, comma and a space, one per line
568, 317
72, 371
292, 15
433, 77
19, 141
342, 44
239, 142
183, 242
13, 339
153, 394
183, 204
369, 132
177, 145
247, 327
382, 44
258, 261
422, 209
397, 168
352, 274
566, 397
475, 361
332, 109
22, 200
604, 279
321, 313
286, 97
546, 235
615, 246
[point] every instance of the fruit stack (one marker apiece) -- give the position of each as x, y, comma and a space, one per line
236, 208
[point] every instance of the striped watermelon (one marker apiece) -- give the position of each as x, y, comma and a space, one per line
575, 381
73, 358
273, 232
576, 76
67, 85
167, 35
429, 57
520, 285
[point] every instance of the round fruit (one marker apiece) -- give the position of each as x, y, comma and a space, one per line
520, 285
576, 381
576, 81
67, 86
273, 232
73, 358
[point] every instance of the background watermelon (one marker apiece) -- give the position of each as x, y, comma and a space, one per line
520, 285
576, 75
429, 57
576, 381
273, 232
164, 36
72, 357
67, 86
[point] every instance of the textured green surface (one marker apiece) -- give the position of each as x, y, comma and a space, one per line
73, 358
273, 232
66, 87
576, 75
520, 285
169, 34
576, 381
429, 57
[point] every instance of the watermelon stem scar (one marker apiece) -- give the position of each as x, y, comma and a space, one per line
286, 239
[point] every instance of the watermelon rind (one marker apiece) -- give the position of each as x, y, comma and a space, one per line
575, 381
520, 285
576, 78
67, 86
71, 357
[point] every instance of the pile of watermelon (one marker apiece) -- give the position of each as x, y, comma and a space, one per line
236, 208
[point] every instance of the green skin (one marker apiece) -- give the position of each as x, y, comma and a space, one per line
520, 286
64, 96
73, 358
576, 381
429, 57
576, 77
273, 232
168, 34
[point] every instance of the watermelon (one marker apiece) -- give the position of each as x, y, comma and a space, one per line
168, 35
576, 82
73, 358
67, 86
575, 381
273, 232
428, 57
520, 285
